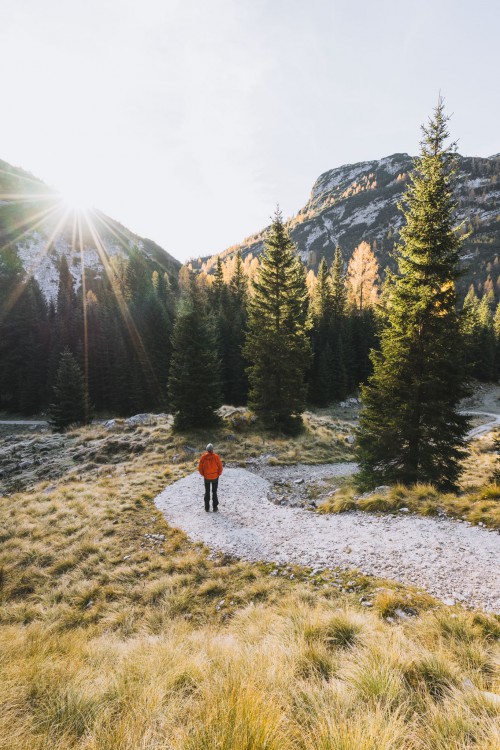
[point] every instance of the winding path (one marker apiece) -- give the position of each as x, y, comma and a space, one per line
483, 429
450, 559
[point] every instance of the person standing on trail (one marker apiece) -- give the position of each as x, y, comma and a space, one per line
210, 468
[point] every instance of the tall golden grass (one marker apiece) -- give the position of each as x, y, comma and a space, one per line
111, 640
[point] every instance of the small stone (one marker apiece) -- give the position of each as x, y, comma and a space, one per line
127, 557
401, 613
449, 602
404, 510
299, 481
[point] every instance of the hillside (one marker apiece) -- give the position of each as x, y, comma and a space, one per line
39, 227
358, 202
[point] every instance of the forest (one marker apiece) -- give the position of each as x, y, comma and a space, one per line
131, 325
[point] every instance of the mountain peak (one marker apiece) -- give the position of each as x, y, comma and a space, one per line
37, 225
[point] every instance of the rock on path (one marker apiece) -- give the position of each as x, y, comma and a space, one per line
451, 560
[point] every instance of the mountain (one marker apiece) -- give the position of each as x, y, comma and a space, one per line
38, 228
358, 202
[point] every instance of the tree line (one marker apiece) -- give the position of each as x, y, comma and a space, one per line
278, 340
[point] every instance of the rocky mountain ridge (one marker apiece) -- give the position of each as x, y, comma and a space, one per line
357, 202
37, 226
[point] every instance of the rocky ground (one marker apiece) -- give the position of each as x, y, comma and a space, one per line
30, 452
302, 486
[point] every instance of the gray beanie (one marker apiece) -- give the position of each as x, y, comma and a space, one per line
210, 447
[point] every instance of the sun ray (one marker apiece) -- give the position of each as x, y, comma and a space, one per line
30, 224
134, 334
19, 288
77, 220
120, 235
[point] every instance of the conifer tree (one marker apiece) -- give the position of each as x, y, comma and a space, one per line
70, 403
410, 429
277, 344
234, 318
194, 379
218, 283
342, 350
487, 343
496, 330
339, 290
471, 328
321, 376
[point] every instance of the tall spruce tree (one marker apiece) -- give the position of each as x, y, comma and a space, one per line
321, 375
231, 312
341, 343
410, 429
70, 403
277, 344
194, 380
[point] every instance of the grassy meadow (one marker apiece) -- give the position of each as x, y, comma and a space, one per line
118, 633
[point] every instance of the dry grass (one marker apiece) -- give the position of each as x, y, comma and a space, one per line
111, 640
479, 505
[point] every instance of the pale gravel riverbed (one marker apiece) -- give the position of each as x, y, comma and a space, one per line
450, 559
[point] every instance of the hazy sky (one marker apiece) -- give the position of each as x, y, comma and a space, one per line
188, 120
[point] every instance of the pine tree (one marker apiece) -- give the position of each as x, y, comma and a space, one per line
339, 290
471, 329
410, 429
341, 344
70, 403
277, 343
487, 340
321, 376
24, 347
218, 283
233, 318
194, 379
496, 330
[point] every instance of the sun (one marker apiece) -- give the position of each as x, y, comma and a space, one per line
76, 198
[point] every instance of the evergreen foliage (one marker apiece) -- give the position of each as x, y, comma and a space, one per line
24, 343
410, 429
321, 384
277, 344
194, 381
70, 403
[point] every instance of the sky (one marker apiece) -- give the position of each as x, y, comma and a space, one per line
189, 120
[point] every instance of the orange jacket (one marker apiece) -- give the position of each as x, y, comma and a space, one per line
210, 465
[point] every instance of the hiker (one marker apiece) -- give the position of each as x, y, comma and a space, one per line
210, 468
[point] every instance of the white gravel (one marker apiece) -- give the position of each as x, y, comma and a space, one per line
450, 559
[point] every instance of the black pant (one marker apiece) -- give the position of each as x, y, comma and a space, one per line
215, 499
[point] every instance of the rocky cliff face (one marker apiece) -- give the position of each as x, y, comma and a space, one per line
37, 226
358, 202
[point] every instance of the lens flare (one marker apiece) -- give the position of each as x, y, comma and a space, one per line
76, 198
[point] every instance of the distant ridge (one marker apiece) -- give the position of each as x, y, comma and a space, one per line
357, 202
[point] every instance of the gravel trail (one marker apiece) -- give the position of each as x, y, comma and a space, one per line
450, 559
